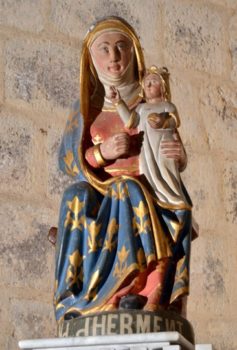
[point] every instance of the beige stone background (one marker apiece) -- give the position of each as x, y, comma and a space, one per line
40, 43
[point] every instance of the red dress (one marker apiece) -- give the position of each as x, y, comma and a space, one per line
104, 126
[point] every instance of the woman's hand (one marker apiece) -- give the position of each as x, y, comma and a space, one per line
175, 150
115, 146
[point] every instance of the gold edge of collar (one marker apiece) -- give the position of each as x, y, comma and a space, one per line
133, 101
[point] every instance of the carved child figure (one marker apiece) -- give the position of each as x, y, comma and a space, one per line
158, 119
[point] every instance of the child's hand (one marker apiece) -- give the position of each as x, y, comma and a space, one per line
156, 121
114, 95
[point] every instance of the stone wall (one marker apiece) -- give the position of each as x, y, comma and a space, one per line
40, 45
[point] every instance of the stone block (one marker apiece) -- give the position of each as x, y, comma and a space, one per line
30, 319
233, 45
185, 97
73, 18
202, 180
209, 269
232, 267
218, 104
231, 4
217, 2
25, 15
41, 75
194, 36
16, 143
26, 256
224, 327
4, 319
1, 73
230, 191
57, 180
149, 29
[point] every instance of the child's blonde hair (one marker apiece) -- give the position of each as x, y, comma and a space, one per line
157, 71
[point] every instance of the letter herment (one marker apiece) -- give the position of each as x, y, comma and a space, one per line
111, 327
143, 324
126, 324
98, 325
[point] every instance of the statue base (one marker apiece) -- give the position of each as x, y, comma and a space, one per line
122, 322
147, 341
121, 330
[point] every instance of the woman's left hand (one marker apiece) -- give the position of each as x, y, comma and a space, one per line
175, 150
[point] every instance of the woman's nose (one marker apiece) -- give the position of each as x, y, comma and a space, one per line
115, 55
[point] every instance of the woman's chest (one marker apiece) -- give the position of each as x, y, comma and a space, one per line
106, 125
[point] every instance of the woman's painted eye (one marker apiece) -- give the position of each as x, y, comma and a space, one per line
104, 49
122, 46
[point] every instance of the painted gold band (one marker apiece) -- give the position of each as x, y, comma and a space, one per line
98, 156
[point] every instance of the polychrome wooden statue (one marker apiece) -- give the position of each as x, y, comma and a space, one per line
120, 245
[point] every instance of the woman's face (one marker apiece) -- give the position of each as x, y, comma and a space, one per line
112, 53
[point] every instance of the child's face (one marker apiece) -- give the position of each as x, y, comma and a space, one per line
152, 86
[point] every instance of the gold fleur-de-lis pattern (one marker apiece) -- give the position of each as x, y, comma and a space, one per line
110, 242
73, 216
103, 240
121, 266
120, 192
72, 122
75, 269
141, 220
93, 232
71, 166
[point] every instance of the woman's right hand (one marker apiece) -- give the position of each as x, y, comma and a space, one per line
115, 146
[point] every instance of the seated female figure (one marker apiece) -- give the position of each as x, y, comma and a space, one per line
116, 239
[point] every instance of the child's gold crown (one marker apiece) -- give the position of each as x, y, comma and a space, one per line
155, 70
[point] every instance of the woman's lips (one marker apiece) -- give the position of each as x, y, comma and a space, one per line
114, 68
